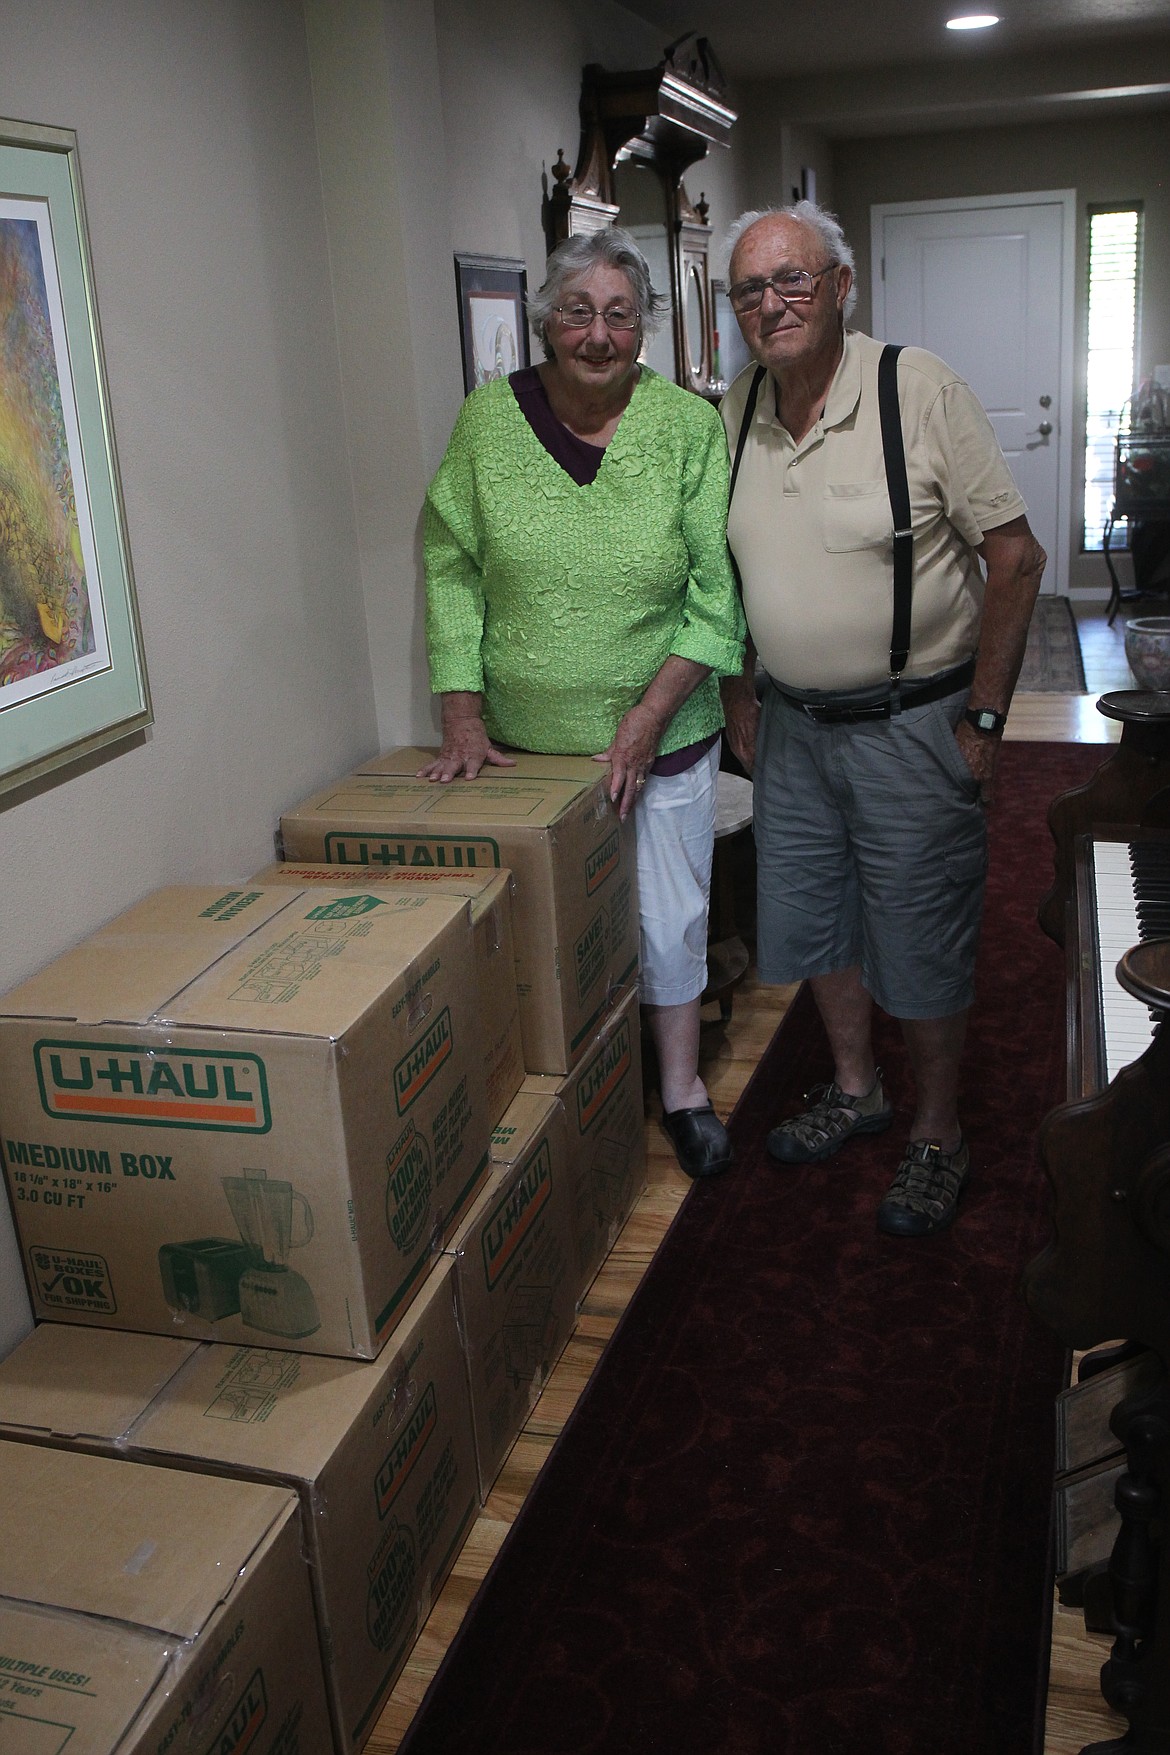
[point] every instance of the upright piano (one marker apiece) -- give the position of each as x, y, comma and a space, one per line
1105, 1276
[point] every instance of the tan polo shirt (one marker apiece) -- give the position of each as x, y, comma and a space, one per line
812, 532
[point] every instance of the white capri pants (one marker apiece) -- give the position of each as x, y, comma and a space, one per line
675, 823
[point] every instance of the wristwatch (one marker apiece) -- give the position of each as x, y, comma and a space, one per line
986, 720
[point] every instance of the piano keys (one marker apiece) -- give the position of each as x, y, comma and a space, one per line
1131, 786
1123, 899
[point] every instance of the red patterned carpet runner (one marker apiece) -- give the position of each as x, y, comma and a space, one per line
802, 1507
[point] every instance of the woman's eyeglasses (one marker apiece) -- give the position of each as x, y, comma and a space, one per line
581, 316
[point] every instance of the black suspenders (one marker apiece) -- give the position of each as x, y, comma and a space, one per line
894, 451
749, 408
899, 491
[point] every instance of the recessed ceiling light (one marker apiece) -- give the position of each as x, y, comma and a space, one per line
973, 21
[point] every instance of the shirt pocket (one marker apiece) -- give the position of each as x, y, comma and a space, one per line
856, 515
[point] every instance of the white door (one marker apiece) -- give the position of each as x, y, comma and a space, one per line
987, 285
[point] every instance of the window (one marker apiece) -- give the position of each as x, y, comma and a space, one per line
1115, 247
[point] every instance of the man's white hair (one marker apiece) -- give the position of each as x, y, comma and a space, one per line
826, 225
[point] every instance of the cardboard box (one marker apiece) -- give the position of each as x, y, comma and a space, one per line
602, 1099
489, 896
381, 1455
516, 1275
83, 1388
144, 1610
252, 1116
550, 820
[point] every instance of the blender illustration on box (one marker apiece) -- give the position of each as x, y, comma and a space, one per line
218, 1276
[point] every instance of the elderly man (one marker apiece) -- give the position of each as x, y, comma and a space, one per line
874, 751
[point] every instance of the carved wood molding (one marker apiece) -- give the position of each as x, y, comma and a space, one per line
665, 117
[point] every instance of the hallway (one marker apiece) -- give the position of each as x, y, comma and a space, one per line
730, 1054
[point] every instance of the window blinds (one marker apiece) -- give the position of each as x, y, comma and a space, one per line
1115, 236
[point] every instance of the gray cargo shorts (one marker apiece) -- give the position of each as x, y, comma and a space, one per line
871, 849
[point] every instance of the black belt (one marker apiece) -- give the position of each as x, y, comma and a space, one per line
912, 695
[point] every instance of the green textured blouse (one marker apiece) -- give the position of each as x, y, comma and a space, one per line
560, 603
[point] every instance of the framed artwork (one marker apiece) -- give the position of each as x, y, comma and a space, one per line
72, 671
493, 324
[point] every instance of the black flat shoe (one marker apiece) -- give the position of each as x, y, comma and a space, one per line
700, 1140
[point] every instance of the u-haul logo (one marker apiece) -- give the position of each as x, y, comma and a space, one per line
420, 1063
602, 1077
603, 861
244, 1721
408, 1447
462, 853
157, 1087
515, 1215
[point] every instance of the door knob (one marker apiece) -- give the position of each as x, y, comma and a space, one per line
1044, 428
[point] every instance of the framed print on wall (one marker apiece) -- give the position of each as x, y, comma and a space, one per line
72, 670
493, 324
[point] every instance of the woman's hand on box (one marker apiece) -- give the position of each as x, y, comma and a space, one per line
466, 745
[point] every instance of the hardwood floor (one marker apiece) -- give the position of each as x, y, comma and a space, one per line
730, 1052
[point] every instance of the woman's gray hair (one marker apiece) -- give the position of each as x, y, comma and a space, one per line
576, 258
826, 225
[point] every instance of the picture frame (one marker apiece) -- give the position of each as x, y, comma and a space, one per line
493, 320
72, 666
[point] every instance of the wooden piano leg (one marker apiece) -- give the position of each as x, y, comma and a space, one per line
1135, 1679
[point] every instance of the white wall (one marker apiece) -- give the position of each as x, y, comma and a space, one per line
773, 152
378, 117
1119, 159
209, 254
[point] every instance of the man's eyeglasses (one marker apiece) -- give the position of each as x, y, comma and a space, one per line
793, 286
581, 316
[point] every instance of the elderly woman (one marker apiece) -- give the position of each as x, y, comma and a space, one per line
580, 600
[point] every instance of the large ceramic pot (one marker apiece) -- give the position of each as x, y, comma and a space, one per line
1147, 648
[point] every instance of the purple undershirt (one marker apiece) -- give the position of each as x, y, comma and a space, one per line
581, 461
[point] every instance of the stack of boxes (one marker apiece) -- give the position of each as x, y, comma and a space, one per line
316, 1170
145, 1610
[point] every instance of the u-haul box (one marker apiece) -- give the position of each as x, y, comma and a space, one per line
548, 819
489, 897
516, 1275
602, 1099
251, 1115
144, 1610
380, 1454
